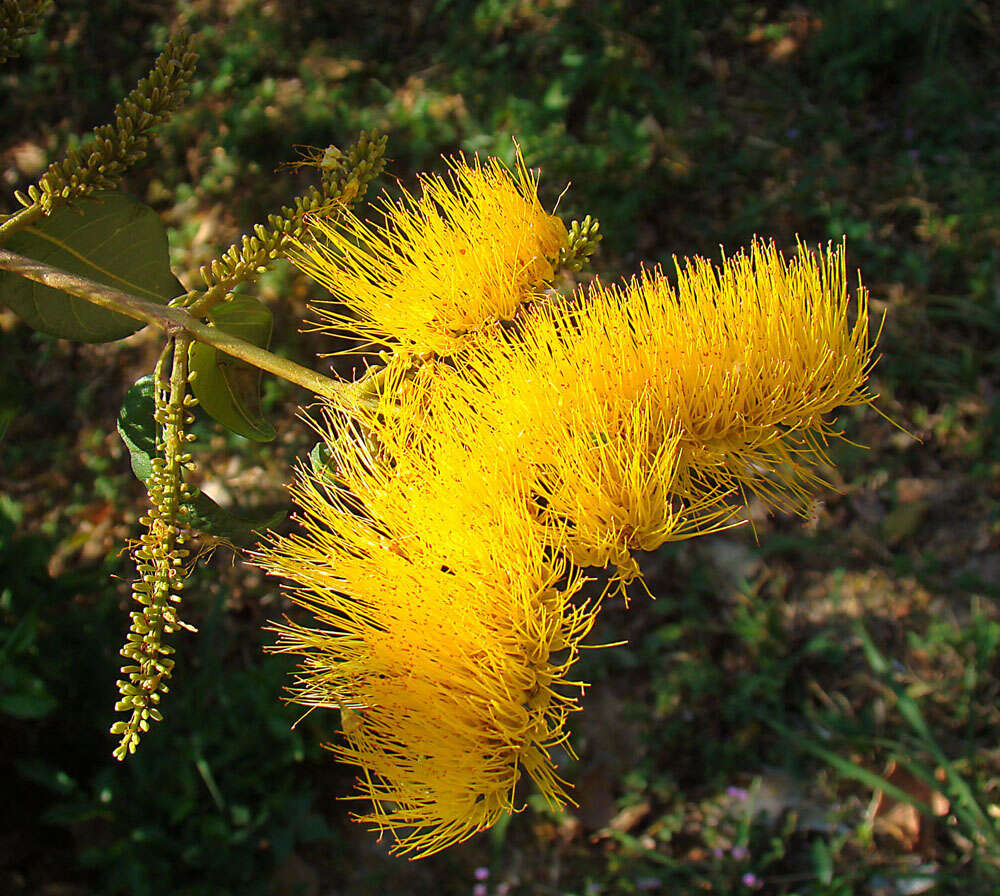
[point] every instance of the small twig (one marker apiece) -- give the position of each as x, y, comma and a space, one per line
22, 219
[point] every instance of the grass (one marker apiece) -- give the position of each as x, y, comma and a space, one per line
737, 744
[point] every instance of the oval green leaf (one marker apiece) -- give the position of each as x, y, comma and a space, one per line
109, 237
228, 388
243, 529
137, 426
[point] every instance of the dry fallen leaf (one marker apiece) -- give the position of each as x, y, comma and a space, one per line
905, 823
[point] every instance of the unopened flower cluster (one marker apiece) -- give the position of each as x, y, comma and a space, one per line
515, 437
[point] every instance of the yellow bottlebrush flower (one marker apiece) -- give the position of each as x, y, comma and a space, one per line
470, 249
433, 548
757, 343
441, 631
768, 352
640, 406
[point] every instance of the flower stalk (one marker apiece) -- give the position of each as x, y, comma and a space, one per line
101, 160
159, 556
23, 218
344, 178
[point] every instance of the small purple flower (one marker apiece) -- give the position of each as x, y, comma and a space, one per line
481, 873
479, 890
649, 883
737, 793
792, 133
718, 852
914, 154
740, 853
503, 889
750, 880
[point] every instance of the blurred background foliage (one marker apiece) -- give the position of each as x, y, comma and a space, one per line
727, 748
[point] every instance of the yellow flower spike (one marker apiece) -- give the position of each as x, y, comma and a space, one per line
432, 552
437, 618
469, 250
745, 363
773, 353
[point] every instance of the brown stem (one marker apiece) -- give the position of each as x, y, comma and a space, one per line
175, 321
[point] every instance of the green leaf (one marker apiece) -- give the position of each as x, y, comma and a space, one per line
111, 238
203, 514
228, 388
137, 427
321, 460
